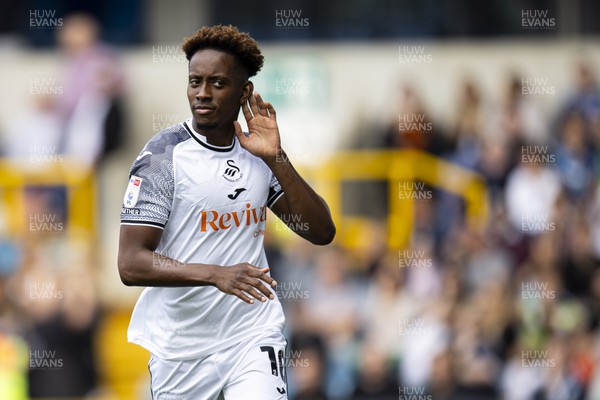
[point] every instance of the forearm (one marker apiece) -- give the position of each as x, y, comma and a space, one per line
147, 268
304, 205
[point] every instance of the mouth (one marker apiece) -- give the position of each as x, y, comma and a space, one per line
204, 110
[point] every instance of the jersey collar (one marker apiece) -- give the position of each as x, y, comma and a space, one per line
202, 139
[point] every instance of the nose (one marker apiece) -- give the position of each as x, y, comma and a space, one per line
204, 91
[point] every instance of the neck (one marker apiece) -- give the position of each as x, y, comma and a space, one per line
218, 136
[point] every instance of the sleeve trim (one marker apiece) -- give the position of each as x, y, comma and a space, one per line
145, 223
273, 199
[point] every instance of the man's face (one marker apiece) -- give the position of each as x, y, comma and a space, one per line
217, 86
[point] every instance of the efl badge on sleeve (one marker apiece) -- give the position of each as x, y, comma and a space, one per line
133, 191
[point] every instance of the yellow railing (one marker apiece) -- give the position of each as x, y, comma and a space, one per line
393, 166
396, 166
81, 194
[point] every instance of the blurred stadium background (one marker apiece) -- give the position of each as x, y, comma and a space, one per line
455, 141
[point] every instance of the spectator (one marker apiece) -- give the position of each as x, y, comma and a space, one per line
531, 193
575, 158
375, 376
585, 101
32, 140
467, 132
309, 382
91, 107
413, 127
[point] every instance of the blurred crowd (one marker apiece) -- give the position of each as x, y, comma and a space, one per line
509, 310
49, 309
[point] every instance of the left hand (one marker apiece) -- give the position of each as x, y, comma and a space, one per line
263, 140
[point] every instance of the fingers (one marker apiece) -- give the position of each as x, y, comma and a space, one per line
251, 284
258, 291
242, 295
246, 110
262, 274
238, 131
264, 107
271, 110
255, 281
256, 106
253, 103
248, 290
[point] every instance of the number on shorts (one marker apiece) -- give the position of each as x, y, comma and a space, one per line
271, 351
277, 364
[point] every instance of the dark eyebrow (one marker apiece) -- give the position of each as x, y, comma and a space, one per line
214, 76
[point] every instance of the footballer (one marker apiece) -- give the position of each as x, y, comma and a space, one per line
192, 229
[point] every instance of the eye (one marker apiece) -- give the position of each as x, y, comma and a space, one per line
218, 83
194, 82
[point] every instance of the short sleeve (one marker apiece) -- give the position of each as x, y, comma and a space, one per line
149, 195
275, 191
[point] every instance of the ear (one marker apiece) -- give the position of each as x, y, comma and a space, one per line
246, 91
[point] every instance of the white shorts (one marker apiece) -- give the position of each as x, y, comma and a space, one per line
251, 370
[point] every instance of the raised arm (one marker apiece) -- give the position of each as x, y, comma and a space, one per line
140, 265
300, 203
305, 212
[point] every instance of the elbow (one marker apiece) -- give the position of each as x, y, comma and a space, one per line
125, 273
126, 281
329, 236
326, 237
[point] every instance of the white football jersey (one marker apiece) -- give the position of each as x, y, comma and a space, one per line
211, 203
